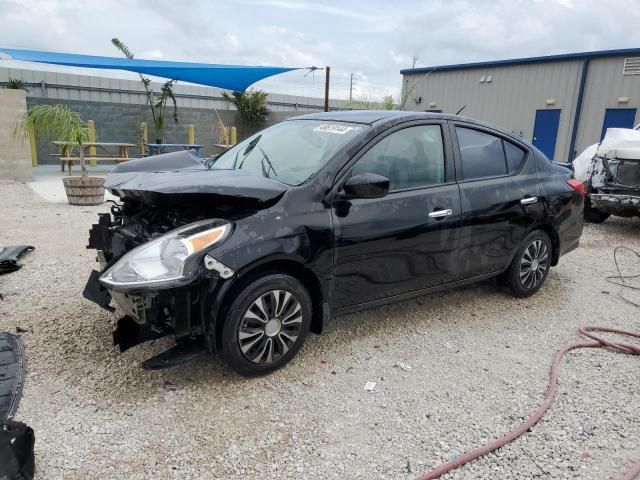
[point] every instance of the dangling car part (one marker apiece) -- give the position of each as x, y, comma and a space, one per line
17, 460
9, 257
319, 216
11, 374
612, 172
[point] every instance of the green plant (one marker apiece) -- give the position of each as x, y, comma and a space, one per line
55, 122
367, 103
15, 84
157, 102
387, 103
251, 106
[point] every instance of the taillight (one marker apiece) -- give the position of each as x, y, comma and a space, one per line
578, 186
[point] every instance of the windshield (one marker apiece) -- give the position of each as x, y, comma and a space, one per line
290, 152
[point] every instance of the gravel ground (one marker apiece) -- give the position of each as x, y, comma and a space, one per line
479, 359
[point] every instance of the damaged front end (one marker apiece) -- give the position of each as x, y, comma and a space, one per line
613, 173
616, 186
156, 300
153, 251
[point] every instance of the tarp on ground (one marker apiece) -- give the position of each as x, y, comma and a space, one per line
231, 77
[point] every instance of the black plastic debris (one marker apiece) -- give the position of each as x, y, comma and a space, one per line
11, 374
9, 257
17, 460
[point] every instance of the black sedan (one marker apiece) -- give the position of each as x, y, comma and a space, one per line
319, 216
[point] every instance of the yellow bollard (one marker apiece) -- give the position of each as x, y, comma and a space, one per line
32, 145
91, 134
234, 136
144, 138
191, 135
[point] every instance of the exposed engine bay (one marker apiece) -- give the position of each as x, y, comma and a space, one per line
154, 206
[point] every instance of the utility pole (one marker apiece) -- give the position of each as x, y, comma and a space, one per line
351, 88
326, 88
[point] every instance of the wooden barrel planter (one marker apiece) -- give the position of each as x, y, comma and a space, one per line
84, 191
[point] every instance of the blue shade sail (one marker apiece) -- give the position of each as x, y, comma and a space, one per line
231, 77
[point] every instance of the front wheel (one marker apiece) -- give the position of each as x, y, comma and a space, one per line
530, 265
266, 324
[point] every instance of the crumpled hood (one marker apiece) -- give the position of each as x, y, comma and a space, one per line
156, 179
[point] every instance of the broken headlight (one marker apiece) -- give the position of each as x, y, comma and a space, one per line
166, 261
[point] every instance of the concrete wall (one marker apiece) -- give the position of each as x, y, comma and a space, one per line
117, 106
15, 155
509, 101
605, 84
119, 122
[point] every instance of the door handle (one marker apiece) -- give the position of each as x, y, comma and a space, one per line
441, 213
529, 200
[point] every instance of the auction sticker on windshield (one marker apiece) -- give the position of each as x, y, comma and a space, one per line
328, 128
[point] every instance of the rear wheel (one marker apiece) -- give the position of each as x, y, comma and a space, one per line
530, 265
266, 325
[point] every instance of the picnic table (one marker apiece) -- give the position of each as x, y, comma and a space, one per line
65, 152
160, 147
224, 146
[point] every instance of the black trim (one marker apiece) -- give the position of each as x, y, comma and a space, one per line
416, 293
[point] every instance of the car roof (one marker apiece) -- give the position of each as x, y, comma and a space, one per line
370, 117
380, 117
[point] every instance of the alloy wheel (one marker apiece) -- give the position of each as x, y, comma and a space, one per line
534, 264
270, 326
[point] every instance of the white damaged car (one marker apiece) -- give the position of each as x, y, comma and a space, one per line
611, 171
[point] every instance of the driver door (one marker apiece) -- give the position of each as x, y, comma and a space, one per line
408, 240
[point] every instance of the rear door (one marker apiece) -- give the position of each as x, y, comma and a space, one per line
500, 197
408, 240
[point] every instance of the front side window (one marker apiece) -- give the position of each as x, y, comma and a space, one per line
410, 158
481, 154
290, 152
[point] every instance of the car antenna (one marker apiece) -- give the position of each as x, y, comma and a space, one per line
462, 108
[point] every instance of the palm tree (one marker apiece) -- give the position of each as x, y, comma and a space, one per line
56, 122
251, 106
157, 102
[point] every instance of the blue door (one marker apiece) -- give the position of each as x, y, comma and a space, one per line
545, 131
618, 118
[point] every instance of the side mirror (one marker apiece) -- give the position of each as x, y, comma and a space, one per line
366, 185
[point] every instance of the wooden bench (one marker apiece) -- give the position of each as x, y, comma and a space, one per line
71, 160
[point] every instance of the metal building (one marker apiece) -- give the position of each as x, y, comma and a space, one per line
562, 103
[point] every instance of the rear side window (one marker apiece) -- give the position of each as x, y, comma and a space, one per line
515, 156
482, 154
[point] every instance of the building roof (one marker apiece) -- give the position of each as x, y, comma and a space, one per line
524, 61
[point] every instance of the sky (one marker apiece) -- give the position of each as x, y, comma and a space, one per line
371, 39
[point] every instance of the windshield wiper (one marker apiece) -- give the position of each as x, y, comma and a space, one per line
252, 144
265, 171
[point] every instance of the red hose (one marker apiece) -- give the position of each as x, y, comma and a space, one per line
551, 393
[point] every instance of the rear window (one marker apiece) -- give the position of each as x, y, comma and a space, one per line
481, 154
515, 156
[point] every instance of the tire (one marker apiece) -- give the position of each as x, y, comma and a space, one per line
593, 215
266, 325
535, 251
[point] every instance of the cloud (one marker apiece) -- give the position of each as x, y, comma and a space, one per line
372, 38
